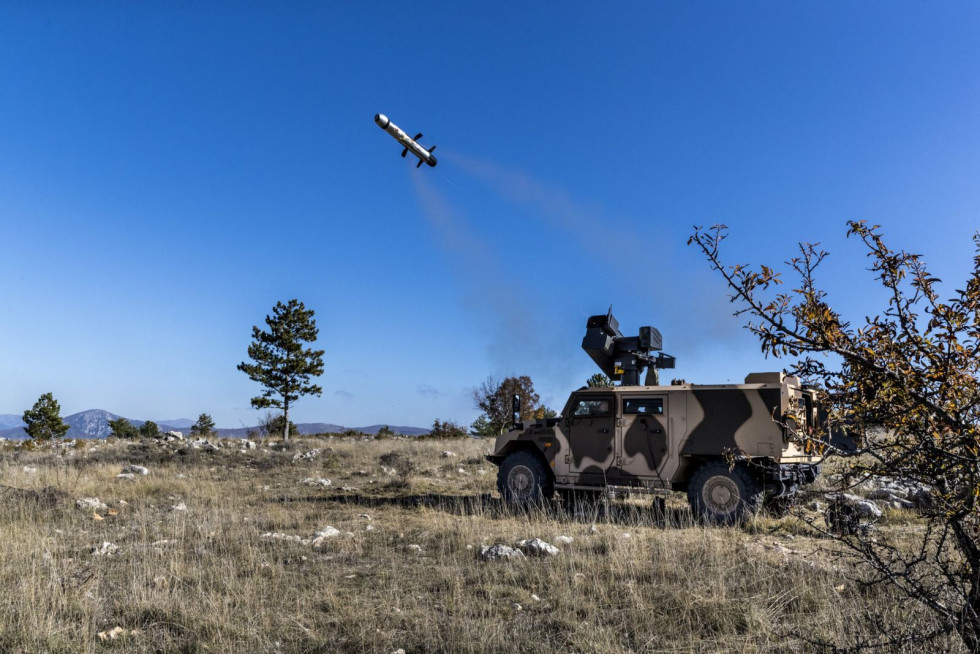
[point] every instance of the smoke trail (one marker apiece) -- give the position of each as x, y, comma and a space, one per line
652, 264
521, 330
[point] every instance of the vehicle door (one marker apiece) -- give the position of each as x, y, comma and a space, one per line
642, 446
591, 429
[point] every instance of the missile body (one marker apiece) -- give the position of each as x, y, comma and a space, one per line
425, 156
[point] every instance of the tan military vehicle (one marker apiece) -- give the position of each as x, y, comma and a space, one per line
731, 447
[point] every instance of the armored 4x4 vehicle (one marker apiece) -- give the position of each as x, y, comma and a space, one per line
731, 447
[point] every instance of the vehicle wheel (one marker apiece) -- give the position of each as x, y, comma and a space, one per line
524, 479
722, 495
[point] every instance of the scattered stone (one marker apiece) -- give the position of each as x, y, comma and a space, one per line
136, 470
248, 445
868, 509
537, 547
316, 481
535, 597
363, 516
348, 489
279, 536
107, 549
161, 581
391, 472
518, 607
446, 454
499, 551
166, 542
593, 530
91, 504
204, 444
923, 498
327, 532
321, 537
369, 528
415, 549
180, 506
306, 456
861, 507
126, 475
117, 632
30, 470
815, 506
564, 540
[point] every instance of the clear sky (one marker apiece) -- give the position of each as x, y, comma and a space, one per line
170, 170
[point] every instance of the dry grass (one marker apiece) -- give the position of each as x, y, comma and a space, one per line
205, 579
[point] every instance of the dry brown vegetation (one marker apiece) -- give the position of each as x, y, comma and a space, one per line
405, 571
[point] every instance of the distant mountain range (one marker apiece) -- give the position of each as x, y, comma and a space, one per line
94, 423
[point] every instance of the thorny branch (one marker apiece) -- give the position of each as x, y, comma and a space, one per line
906, 382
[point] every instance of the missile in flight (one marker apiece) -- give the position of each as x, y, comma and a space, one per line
425, 156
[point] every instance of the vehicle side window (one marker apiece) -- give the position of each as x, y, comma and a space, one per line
643, 406
591, 408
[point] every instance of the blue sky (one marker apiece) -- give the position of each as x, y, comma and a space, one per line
168, 171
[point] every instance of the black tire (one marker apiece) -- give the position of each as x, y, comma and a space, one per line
722, 495
524, 479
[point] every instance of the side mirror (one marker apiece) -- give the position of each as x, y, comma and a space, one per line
516, 409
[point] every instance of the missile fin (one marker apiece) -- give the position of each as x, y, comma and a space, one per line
404, 152
420, 164
431, 149
417, 136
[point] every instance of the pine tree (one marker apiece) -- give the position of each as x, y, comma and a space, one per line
281, 364
122, 428
204, 427
44, 419
149, 429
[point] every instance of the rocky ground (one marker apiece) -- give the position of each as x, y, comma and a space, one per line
365, 545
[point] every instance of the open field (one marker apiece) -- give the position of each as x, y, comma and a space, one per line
216, 553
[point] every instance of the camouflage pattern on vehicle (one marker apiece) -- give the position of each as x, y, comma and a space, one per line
731, 447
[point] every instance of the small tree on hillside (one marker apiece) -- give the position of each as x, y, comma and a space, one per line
44, 419
122, 428
149, 429
494, 399
281, 363
446, 429
204, 427
913, 374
